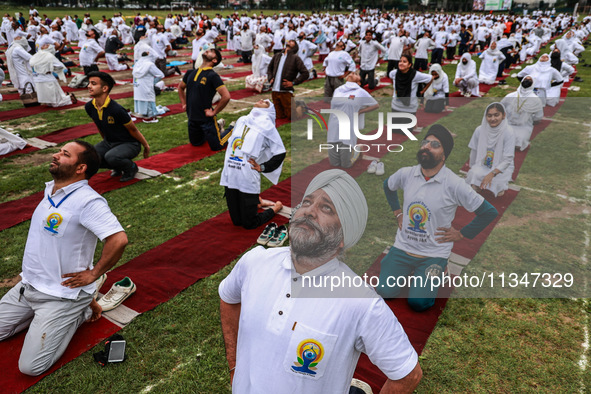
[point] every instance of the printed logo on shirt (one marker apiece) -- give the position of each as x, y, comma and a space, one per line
488, 160
203, 80
237, 146
309, 353
352, 97
111, 120
418, 215
53, 222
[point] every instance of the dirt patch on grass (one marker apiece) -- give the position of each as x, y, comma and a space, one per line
543, 216
34, 159
200, 174
10, 282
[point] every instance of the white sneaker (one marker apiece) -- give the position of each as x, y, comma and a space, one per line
366, 388
373, 166
120, 291
222, 124
99, 283
380, 169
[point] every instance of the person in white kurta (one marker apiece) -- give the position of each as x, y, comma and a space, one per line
44, 64
492, 152
145, 75
466, 78
17, 60
491, 58
544, 76
126, 36
524, 109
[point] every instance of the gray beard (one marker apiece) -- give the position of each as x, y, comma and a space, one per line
314, 244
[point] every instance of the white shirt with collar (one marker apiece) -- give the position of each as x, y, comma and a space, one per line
62, 237
288, 342
429, 205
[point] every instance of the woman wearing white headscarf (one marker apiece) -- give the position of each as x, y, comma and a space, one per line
491, 59
49, 91
466, 77
145, 75
524, 109
17, 60
254, 147
492, 152
544, 76
437, 93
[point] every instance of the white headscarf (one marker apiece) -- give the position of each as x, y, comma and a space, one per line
143, 65
142, 46
44, 61
442, 76
348, 199
522, 103
468, 68
491, 137
262, 121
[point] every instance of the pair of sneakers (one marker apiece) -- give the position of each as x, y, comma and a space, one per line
119, 292
273, 236
376, 167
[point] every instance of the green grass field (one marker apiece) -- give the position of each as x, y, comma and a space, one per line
478, 345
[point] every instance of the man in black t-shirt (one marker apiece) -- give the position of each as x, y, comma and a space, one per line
122, 141
112, 45
196, 92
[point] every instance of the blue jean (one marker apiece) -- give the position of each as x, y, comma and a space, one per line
398, 263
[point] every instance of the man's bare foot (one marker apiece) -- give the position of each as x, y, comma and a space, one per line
265, 203
277, 206
96, 311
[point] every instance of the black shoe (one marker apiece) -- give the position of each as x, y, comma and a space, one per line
126, 177
178, 70
315, 73
578, 79
116, 173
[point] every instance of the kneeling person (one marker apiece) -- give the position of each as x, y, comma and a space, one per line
425, 237
122, 141
56, 294
349, 98
254, 147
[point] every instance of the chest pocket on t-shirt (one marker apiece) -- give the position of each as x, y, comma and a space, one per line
55, 222
309, 352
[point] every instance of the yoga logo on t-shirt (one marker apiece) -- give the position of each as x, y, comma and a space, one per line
53, 222
237, 145
310, 352
418, 216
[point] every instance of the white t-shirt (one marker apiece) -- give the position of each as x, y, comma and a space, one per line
291, 344
62, 237
337, 62
88, 52
348, 98
238, 172
159, 43
429, 205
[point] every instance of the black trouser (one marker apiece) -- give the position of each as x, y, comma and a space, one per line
208, 130
435, 106
368, 77
421, 64
246, 56
482, 45
88, 69
392, 65
463, 49
32, 46
451, 51
244, 211
436, 55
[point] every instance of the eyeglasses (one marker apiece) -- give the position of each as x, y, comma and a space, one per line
434, 144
